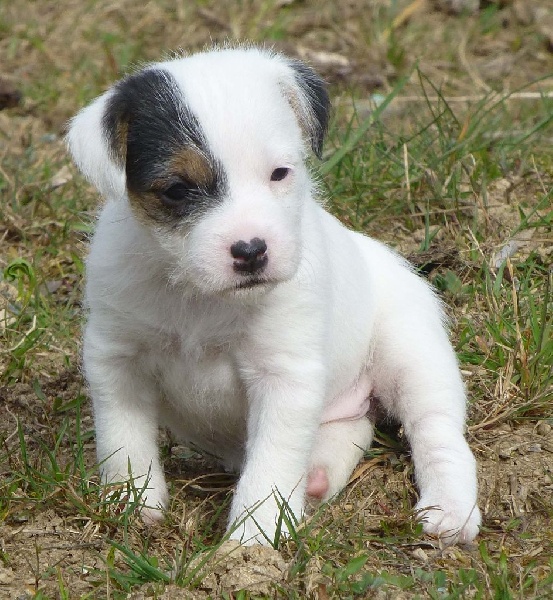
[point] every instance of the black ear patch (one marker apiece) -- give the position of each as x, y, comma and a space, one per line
315, 93
155, 137
146, 123
131, 102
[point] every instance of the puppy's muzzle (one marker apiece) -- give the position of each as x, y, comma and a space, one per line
249, 257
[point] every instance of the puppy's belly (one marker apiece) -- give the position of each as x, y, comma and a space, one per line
351, 404
204, 403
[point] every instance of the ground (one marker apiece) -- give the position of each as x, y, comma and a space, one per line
440, 145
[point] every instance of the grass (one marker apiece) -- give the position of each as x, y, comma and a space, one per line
463, 189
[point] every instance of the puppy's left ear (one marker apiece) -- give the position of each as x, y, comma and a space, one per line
309, 99
90, 145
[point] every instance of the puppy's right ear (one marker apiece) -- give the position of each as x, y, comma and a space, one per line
309, 99
97, 143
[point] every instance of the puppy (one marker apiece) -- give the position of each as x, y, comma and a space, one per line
226, 304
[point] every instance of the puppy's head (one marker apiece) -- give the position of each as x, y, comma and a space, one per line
209, 152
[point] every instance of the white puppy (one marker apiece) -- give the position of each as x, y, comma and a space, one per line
226, 304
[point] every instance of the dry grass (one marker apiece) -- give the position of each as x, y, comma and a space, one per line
457, 173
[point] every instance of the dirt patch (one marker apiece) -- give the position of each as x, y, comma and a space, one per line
235, 567
516, 474
48, 547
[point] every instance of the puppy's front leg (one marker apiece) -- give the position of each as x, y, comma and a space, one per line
285, 405
125, 415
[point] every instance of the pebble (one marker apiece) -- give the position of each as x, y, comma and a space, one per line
6, 576
420, 554
504, 427
543, 428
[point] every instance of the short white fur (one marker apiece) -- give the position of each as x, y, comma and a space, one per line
249, 374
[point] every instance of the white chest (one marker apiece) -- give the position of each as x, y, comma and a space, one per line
201, 397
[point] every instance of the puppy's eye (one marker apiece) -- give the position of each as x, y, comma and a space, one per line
280, 173
176, 193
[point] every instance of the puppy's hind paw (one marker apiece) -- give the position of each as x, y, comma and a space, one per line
317, 483
450, 525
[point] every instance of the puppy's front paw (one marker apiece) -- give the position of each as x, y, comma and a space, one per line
453, 523
152, 504
149, 503
151, 516
258, 526
248, 532
264, 523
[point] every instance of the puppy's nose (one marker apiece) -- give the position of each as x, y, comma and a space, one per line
250, 257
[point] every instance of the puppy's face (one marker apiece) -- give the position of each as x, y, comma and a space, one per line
209, 152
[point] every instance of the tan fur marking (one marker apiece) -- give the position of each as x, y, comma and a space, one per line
147, 208
297, 106
121, 131
190, 165
193, 166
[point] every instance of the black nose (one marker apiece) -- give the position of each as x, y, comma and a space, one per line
249, 257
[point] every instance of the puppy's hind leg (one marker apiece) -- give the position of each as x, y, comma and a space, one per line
339, 446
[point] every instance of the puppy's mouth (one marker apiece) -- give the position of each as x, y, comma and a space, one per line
256, 285
251, 283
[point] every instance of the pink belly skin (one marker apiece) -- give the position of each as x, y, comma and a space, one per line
352, 404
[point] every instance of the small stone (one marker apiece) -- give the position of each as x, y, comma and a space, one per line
544, 20
457, 6
505, 451
62, 177
6, 576
523, 12
420, 554
543, 428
